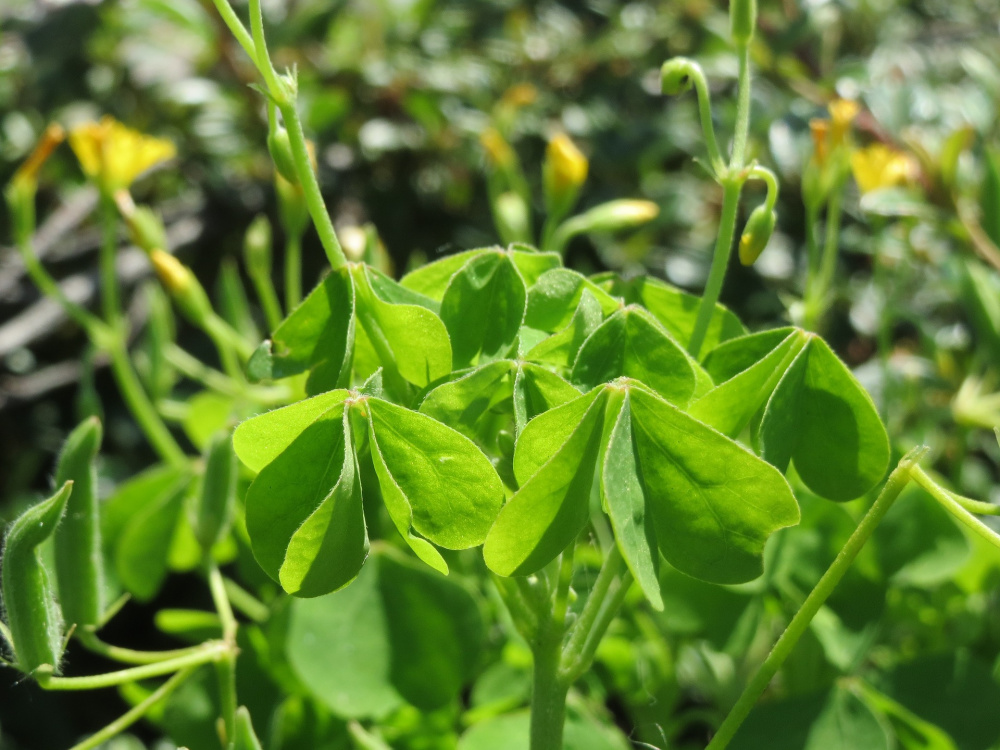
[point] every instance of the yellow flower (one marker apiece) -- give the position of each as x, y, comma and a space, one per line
113, 155
879, 166
842, 114
27, 173
498, 150
567, 163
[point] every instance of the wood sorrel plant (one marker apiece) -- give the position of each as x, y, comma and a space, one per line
493, 398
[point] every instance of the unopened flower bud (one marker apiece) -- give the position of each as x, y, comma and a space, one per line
182, 285
616, 215
51, 138
497, 149
756, 234
564, 172
742, 20
280, 149
677, 75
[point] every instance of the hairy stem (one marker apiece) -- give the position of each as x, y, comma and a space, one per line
91, 642
817, 597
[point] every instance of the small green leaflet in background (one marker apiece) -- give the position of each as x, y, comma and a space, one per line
142, 548
77, 540
33, 616
400, 633
483, 308
217, 496
304, 510
671, 485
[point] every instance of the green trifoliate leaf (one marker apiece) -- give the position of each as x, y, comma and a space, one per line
554, 462
631, 343
432, 279
554, 298
672, 486
304, 512
34, 618
820, 418
261, 439
483, 307
410, 341
441, 485
731, 405
79, 562
676, 310
318, 336
713, 503
400, 632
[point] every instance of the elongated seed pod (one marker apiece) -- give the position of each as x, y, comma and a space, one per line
215, 503
33, 615
246, 738
79, 564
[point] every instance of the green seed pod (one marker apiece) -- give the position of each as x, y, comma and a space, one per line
759, 228
677, 75
79, 564
246, 738
33, 615
257, 247
281, 152
742, 20
214, 509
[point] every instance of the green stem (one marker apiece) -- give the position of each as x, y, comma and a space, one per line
817, 597
50, 288
141, 407
268, 297
110, 297
610, 569
131, 716
226, 666
310, 187
208, 652
738, 159
548, 691
262, 57
812, 219
293, 271
602, 622
90, 641
720, 260
236, 28
707, 128
816, 302
956, 505
246, 602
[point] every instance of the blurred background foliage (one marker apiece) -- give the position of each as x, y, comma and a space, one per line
396, 94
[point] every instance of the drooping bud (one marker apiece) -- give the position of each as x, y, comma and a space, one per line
20, 192
183, 287
742, 20
51, 138
677, 75
756, 234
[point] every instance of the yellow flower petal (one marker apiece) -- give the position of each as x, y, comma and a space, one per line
842, 114
114, 154
569, 165
879, 166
